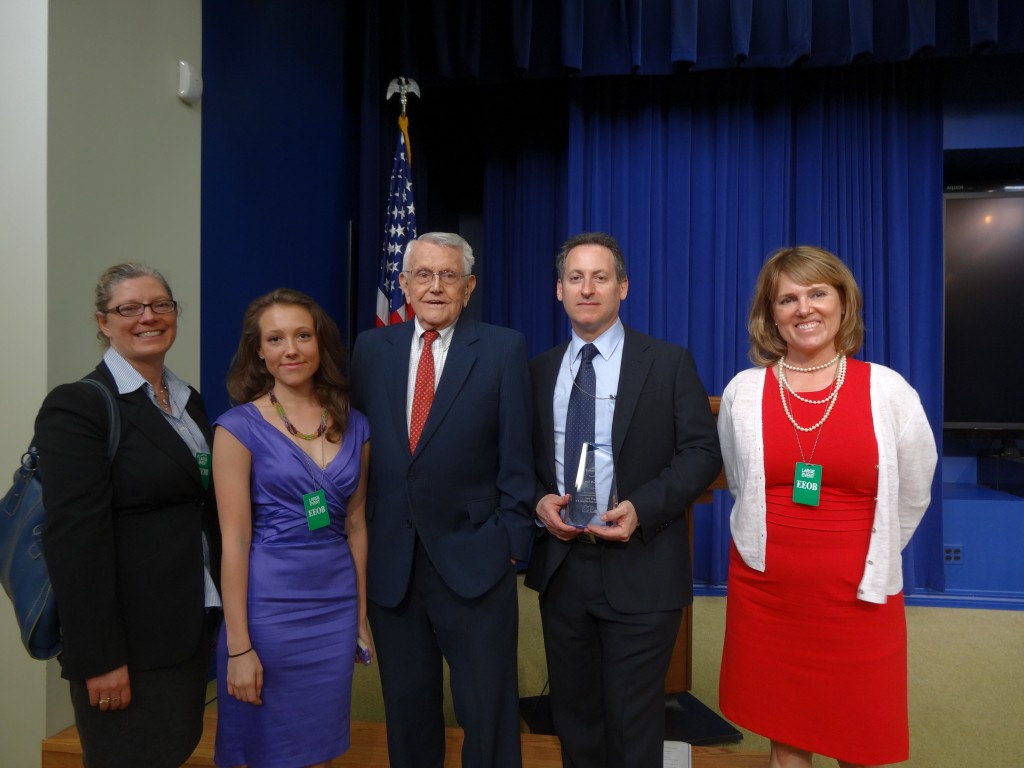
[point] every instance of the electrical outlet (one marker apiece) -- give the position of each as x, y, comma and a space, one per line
953, 554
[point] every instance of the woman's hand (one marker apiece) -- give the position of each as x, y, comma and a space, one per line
364, 649
110, 691
245, 678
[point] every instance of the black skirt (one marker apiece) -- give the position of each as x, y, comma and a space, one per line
162, 725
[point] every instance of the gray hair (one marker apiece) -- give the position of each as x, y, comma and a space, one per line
443, 240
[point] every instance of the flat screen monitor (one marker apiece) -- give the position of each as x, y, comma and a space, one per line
984, 310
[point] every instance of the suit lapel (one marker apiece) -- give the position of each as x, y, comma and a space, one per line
137, 409
458, 363
396, 374
198, 414
636, 364
547, 378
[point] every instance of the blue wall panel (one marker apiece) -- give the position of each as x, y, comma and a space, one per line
279, 165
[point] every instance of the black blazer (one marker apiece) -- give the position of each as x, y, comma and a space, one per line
123, 543
666, 454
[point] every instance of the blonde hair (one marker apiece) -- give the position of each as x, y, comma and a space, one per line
113, 277
806, 265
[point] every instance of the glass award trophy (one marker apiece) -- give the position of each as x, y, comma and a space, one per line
595, 480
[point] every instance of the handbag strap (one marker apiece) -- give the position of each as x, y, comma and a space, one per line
113, 417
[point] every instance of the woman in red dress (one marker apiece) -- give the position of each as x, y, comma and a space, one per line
830, 461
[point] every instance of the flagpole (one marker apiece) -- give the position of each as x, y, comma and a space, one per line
400, 215
403, 126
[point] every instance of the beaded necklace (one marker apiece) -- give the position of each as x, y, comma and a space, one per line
810, 369
291, 428
837, 384
793, 393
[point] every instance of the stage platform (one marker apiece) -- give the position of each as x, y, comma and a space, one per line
369, 750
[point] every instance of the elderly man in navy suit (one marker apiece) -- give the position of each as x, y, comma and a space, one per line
449, 511
612, 592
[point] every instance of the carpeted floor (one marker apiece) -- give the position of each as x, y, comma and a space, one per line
966, 681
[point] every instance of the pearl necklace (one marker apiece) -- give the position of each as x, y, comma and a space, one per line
837, 384
784, 380
811, 369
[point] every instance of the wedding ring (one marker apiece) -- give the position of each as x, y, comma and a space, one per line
104, 701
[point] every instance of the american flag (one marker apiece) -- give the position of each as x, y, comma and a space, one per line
399, 228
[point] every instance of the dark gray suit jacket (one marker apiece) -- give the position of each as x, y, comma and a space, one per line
666, 454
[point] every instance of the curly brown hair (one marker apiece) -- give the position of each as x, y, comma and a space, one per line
249, 379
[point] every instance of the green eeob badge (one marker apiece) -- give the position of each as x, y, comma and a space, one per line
316, 509
203, 460
807, 484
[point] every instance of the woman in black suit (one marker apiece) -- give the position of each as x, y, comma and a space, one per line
132, 545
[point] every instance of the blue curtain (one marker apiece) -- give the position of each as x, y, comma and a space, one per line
700, 177
502, 40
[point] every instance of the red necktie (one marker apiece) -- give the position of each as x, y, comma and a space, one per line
423, 394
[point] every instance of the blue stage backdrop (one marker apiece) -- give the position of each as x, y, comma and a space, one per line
700, 178
702, 133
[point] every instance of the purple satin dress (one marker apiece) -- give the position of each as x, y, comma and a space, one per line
302, 604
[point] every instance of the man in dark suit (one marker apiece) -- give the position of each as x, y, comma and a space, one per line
448, 511
612, 592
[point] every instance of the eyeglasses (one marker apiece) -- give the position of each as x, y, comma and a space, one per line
426, 277
162, 307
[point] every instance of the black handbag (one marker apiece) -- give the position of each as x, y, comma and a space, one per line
22, 566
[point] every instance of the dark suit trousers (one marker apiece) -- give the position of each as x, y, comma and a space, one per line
479, 640
607, 669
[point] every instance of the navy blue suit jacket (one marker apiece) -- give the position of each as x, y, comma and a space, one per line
468, 489
666, 454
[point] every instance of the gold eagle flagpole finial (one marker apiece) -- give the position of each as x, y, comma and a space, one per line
403, 86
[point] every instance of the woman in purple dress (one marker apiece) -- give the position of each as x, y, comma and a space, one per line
289, 468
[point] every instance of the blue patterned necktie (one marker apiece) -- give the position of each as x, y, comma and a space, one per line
579, 419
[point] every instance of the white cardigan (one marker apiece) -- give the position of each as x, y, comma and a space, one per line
906, 457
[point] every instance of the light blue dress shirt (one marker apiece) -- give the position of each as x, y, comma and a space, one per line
127, 379
607, 364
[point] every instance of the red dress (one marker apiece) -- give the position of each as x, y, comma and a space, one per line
805, 663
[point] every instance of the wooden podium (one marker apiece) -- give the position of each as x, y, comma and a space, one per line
679, 678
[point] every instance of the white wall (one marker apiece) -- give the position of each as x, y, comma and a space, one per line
99, 163
124, 165
23, 318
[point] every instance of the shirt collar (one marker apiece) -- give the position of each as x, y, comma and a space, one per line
127, 379
606, 343
445, 334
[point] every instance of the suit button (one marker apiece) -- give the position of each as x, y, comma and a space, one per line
408, 523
